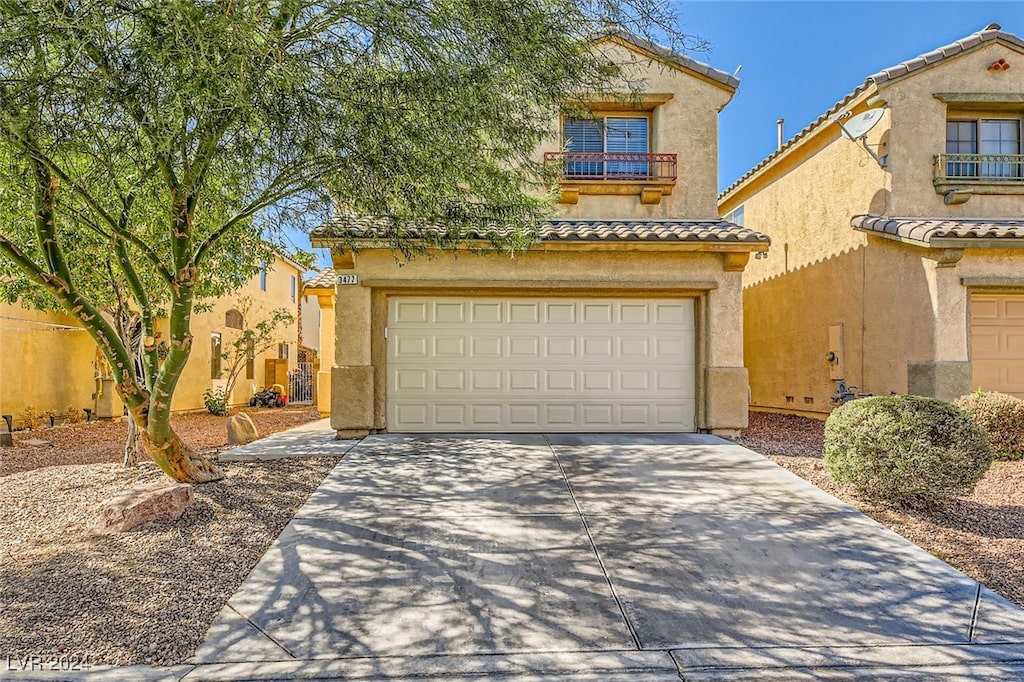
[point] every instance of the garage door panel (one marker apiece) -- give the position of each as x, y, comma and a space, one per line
485, 313
997, 343
449, 380
524, 313
597, 313
449, 312
540, 364
560, 313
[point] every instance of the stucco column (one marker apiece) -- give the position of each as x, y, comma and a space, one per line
726, 385
947, 376
327, 331
352, 374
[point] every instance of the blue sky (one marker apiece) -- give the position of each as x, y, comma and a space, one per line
801, 57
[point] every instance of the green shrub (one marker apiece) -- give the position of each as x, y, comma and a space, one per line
1002, 417
215, 401
905, 450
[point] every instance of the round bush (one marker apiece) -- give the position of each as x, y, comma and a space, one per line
905, 450
1001, 416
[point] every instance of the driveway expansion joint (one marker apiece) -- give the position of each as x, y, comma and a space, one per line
593, 546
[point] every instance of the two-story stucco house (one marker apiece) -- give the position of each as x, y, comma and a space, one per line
896, 263
625, 315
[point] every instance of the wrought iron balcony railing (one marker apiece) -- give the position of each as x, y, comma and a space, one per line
638, 167
979, 168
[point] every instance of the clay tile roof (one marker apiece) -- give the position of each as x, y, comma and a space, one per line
712, 231
943, 231
672, 56
989, 33
322, 280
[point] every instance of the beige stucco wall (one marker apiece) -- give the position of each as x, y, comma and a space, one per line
44, 364
686, 125
903, 309
359, 376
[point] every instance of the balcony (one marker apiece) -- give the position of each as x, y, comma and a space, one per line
958, 176
649, 176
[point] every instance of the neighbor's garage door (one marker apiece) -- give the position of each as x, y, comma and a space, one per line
540, 364
997, 343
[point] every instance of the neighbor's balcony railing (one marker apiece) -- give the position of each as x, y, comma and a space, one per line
982, 168
633, 166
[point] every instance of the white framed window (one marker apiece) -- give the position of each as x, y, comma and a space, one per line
975, 142
606, 146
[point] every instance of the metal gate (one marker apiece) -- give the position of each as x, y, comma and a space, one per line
300, 384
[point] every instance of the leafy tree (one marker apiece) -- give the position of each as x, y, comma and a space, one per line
164, 137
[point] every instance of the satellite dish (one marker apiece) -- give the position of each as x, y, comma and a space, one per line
858, 126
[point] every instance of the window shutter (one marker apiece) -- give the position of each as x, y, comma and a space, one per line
627, 136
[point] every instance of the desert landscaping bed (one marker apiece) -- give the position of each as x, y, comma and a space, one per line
982, 534
148, 595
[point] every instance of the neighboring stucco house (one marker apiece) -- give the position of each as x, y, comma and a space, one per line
626, 315
51, 364
902, 274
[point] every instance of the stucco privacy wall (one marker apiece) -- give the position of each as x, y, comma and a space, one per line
686, 125
51, 368
359, 380
46, 361
904, 309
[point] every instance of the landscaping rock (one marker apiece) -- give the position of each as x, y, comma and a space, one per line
152, 502
37, 443
241, 429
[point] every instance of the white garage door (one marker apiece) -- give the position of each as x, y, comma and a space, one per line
540, 364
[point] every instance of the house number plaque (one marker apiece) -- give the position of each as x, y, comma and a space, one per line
348, 279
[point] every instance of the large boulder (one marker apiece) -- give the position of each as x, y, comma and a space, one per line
151, 502
241, 429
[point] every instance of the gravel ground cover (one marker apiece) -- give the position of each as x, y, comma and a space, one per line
982, 534
149, 595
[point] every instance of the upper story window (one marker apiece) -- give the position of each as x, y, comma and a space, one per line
611, 147
611, 154
984, 149
294, 287
263, 277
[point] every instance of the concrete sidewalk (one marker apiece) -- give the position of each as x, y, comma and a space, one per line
600, 557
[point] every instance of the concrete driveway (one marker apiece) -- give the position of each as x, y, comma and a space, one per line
597, 557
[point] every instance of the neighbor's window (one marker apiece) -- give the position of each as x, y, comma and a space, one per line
233, 319
250, 360
735, 216
282, 351
215, 355
263, 277
606, 146
979, 143
293, 288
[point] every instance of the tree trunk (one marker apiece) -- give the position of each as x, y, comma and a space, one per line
179, 461
132, 444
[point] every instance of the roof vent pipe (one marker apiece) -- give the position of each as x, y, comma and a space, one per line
780, 123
